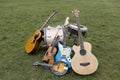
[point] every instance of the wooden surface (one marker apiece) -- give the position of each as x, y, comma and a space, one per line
32, 46
78, 58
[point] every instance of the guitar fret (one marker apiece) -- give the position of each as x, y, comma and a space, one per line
80, 34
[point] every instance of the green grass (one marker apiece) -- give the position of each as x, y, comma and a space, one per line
20, 18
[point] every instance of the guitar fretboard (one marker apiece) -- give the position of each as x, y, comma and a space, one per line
80, 37
45, 23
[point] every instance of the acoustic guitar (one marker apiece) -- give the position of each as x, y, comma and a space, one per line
59, 68
83, 61
32, 44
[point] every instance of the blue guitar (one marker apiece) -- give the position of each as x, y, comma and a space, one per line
63, 54
64, 51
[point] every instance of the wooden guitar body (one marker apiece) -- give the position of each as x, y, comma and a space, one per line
84, 64
32, 44
49, 57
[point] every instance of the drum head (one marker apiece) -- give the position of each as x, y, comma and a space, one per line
59, 68
51, 32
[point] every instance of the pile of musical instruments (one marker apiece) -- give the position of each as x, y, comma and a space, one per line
60, 57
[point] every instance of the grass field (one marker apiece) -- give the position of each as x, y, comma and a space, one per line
20, 18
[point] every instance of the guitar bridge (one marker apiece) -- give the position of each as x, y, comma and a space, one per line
85, 64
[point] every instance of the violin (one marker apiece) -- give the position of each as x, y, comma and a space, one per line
51, 51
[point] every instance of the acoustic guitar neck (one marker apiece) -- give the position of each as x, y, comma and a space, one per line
45, 23
80, 37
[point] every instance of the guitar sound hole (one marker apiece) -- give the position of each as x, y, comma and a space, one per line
83, 52
35, 37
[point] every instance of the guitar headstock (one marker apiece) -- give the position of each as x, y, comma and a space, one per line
54, 12
75, 12
36, 64
66, 21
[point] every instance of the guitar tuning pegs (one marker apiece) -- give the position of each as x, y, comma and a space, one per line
66, 21
55, 11
72, 11
35, 64
75, 9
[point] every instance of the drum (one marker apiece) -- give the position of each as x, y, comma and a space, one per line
73, 30
50, 33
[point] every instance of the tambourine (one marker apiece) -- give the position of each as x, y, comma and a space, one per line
59, 68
